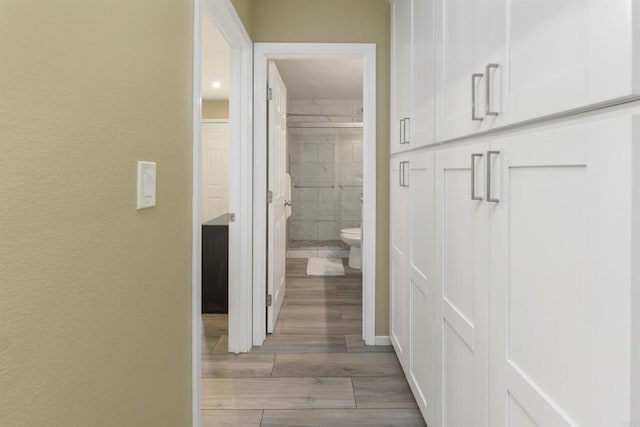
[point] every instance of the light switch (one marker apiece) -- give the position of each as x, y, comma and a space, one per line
146, 184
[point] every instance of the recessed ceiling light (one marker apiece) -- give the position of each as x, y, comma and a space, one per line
216, 85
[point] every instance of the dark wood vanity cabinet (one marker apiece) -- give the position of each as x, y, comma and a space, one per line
215, 265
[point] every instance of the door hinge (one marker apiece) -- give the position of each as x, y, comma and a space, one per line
269, 196
269, 300
232, 217
269, 94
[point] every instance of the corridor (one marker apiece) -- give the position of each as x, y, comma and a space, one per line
313, 371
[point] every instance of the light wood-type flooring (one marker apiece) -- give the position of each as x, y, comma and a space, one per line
314, 370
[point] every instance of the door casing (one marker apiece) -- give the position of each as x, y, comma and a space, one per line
263, 52
226, 20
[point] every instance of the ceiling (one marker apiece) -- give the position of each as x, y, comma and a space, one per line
216, 62
322, 78
304, 78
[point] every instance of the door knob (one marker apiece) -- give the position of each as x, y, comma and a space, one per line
287, 203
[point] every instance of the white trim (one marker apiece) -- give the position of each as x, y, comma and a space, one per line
369, 197
214, 121
383, 340
262, 53
226, 20
196, 224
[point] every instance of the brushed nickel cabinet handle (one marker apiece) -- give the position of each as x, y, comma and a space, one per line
487, 100
401, 130
489, 198
406, 184
473, 176
403, 181
474, 76
406, 141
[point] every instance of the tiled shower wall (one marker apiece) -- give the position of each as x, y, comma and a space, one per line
320, 158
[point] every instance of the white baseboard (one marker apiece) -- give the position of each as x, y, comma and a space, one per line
383, 340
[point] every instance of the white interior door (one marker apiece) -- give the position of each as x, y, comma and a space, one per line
215, 169
462, 290
276, 236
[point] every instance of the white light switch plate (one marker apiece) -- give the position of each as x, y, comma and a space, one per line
146, 184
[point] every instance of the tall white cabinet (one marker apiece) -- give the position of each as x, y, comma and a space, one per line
462, 60
502, 62
401, 63
515, 211
567, 55
413, 74
462, 287
399, 269
421, 366
560, 257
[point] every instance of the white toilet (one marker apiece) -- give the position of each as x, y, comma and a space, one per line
353, 238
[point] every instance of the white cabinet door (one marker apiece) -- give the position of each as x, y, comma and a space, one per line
401, 75
566, 54
399, 277
491, 61
560, 276
460, 40
462, 287
422, 279
423, 93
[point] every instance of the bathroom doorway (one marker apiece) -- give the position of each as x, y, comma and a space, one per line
330, 161
324, 155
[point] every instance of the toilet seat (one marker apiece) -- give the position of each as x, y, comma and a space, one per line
354, 233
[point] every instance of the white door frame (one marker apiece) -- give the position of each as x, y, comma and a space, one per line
226, 20
263, 52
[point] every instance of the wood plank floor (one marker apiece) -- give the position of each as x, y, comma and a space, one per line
314, 370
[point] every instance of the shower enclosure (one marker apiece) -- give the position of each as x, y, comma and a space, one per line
325, 164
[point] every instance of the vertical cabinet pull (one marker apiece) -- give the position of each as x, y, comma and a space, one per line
487, 97
405, 140
403, 131
474, 76
489, 198
400, 174
404, 176
403, 181
473, 177
406, 184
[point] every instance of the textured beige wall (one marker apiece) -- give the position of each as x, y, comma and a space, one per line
213, 109
245, 10
94, 295
349, 21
